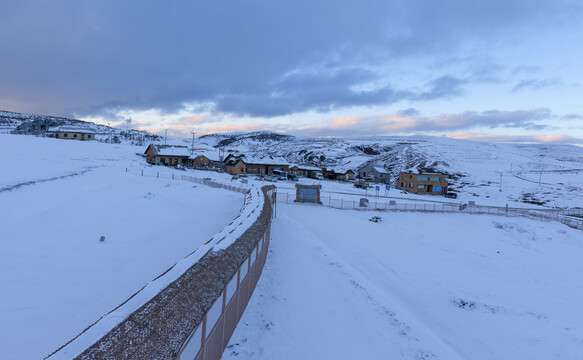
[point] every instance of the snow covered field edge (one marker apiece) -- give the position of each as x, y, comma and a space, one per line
208, 269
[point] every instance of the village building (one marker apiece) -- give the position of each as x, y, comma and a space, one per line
71, 133
259, 166
305, 171
435, 184
335, 174
200, 160
375, 172
346, 176
170, 155
236, 167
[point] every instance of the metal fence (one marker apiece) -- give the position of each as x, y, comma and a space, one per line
211, 337
214, 184
193, 179
565, 216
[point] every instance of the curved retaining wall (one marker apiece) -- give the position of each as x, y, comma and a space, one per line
195, 316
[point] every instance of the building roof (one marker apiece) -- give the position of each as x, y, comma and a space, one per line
70, 129
427, 173
268, 160
381, 170
308, 168
170, 150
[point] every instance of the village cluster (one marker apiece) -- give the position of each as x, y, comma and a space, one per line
273, 168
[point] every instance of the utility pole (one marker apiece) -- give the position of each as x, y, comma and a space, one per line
500, 180
192, 149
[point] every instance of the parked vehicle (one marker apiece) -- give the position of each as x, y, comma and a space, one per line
292, 177
319, 176
280, 174
451, 195
271, 178
361, 184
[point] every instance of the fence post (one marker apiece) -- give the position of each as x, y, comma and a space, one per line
158, 174
142, 172
172, 176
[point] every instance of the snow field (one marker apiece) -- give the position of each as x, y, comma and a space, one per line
414, 286
56, 276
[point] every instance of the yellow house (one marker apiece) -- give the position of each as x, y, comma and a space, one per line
72, 133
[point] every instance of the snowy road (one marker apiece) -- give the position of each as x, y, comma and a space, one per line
337, 286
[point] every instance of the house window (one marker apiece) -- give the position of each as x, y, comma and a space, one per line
66, 135
411, 185
420, 186
434, 178
421, 178
403, 184
88, 136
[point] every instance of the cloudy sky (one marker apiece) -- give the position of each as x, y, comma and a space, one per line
496, 70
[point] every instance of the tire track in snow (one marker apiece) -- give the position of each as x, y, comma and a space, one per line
380, 298
33, 182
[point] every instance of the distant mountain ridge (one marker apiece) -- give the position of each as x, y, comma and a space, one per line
32, 124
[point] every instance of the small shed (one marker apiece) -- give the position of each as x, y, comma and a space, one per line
308, 193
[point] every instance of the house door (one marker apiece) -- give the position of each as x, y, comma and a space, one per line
429, 188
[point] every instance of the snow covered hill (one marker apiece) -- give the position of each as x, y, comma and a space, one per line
537, 174
31, 124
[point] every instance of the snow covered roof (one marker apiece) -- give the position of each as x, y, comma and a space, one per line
211, 156
268, 160
72, 130
309, 168
171, 150
381, 170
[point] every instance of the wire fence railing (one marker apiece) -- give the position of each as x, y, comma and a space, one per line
211, 337
565, 216
203, 181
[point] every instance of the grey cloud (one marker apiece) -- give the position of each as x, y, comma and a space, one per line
533, 84
408, 112
390, 124
442, 87
529, 69
572, 117
84, 57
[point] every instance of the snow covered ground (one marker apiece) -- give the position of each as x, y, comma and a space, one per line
414, 286
56, 276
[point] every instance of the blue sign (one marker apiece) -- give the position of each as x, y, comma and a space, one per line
377, 188
437, 188
387, 187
